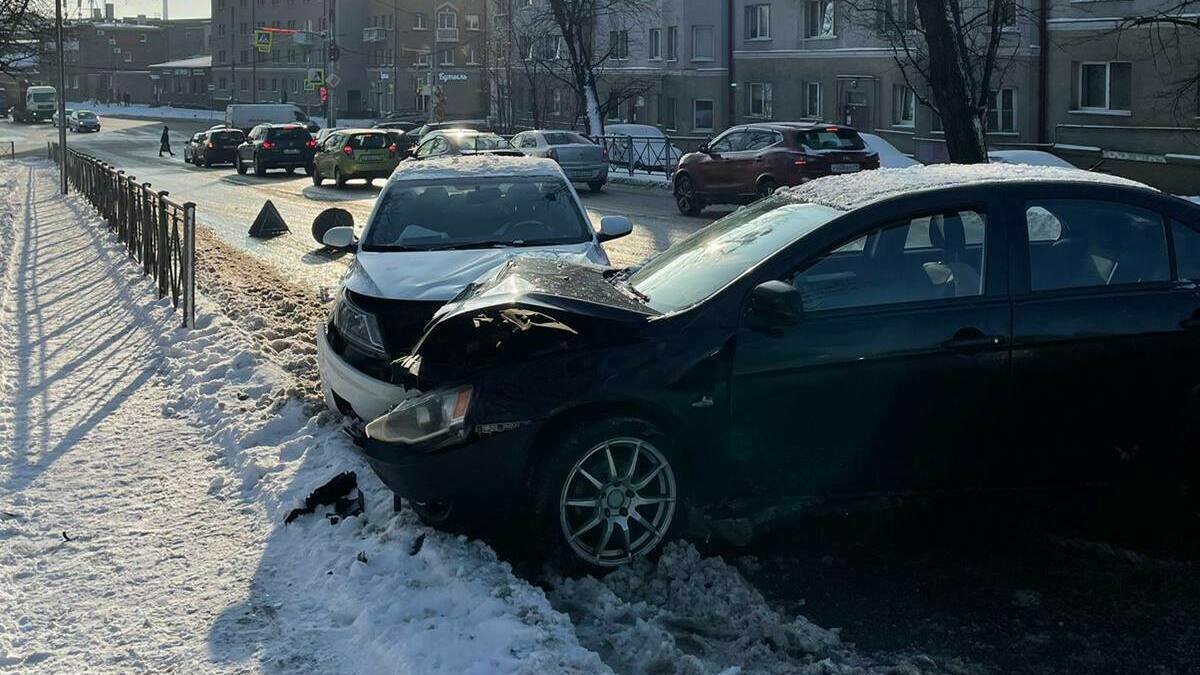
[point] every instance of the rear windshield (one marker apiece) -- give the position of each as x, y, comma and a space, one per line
464, 213
369, 141
228, 136
831, 139
564, 138
481, 142
288, 134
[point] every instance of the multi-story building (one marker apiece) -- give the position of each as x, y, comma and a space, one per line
713, 63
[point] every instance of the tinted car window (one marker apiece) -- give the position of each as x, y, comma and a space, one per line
704, 263
288, 134
947, 264
476, 213
369, 141
1099, 244
1187, 250
227, 137
729, 142
831, 139
757, 140
564, 138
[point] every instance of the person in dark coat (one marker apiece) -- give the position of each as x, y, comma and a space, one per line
165, 143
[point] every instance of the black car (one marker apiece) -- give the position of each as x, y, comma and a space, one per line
218, 146
276, 146
944, 330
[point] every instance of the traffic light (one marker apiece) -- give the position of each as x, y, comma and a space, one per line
324, 94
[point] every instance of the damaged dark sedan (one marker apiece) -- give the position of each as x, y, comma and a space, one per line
931, 329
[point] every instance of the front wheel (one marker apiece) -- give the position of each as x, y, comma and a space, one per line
310, 169
608, 493
241, 167
259, 168
686, 200
596, 186
316, 177
766, 187
338, 178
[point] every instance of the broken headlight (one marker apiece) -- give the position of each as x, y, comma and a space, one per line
358, 326
439, 415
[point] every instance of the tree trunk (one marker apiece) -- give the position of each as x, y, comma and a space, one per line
594, 120
961, 120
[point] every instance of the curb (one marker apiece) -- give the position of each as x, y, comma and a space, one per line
639, 181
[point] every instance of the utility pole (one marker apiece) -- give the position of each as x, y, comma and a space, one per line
62, 92
395, 57
233, 52
330, 62
253, 53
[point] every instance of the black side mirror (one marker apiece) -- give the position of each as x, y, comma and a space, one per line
703, 148
774, 304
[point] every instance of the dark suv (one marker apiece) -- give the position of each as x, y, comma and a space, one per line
277, 146
748, 162
217, 146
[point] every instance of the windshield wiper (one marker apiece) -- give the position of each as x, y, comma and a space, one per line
475, 244
622, 282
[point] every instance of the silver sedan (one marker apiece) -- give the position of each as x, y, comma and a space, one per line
581, 160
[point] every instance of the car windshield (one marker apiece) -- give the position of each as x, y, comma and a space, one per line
42, 98
704, 263
564, 138
288, 134
463, 213
369, 141
86, 115
831, 139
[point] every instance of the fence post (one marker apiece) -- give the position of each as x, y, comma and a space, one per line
189, 265
143, 232
162, 254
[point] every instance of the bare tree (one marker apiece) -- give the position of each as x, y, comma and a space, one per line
952, 55
580, 57
1171, 33
27, 23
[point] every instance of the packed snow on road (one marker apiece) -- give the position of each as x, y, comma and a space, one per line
146, 472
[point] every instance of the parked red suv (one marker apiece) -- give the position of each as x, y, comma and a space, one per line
750, 161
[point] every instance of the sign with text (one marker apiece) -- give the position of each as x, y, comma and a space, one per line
263, 40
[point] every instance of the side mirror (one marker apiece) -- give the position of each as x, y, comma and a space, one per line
339, 238
774, 304
614, 227
330, 220
703, 148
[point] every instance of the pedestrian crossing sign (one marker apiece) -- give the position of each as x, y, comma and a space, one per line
262, 40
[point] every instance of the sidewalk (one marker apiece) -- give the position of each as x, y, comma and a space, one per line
144, 471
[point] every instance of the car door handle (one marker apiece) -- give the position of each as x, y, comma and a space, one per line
967, 339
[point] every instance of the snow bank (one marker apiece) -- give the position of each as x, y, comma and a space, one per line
474, 166
851, 191
889, 156
144, 111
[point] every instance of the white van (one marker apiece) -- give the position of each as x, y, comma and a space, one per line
246, 116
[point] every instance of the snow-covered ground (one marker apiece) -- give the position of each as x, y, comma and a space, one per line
145, 472
166, 112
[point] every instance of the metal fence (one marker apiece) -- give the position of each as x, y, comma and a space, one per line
648, 154
158, 233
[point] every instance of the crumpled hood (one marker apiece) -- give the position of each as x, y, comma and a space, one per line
441, 275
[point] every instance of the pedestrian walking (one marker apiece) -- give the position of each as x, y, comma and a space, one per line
165, 143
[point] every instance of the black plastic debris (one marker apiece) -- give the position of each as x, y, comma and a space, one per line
268, 223
341, 492
329, 219
361, 557
417, 544
65, 537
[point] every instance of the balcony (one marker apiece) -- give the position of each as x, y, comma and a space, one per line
447, 35
375, 34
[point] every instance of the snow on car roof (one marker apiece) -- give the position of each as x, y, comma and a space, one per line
855, 190
474, 166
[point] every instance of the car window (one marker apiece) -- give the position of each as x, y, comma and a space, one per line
729, 142
831, 138
476, 212
300, 117
369, 141
757, 140
704, 263
288, 134
921, 259
226, 137
565, 138
1099, 243
1187, 250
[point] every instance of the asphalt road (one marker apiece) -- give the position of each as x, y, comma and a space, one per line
227, 203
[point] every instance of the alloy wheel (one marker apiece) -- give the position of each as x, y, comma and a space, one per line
685, 195
618, 501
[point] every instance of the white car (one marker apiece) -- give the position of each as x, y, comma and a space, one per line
437, 226
646, 146
889, 156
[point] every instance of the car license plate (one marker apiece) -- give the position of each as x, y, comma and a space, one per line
291, 151
844, 168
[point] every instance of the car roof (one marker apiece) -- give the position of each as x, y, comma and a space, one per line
852, 191
481, 165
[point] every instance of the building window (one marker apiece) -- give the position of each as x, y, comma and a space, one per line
758, 22
245, 57
618, 44
423, 59
666, 112
1105, 86
903, 106
654, 44
903, 13
242, 85
262, 83
672, 43
447, 24
702, 43
1008, 13
221, 56
702, 115
812, 100
818, 18
473, 56
1002, 113
556, 102
223, 82
471, 21
420, 22
274, 84
446, 57
760, 99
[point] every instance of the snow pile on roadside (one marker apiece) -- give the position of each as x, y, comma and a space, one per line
854, 190
687, 615
144, 111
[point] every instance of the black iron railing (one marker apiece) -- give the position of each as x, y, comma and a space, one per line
158, 233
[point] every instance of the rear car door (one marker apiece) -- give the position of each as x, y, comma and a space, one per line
1105, 332
897, 375
246, 150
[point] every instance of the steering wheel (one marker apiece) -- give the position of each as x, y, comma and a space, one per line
526, 229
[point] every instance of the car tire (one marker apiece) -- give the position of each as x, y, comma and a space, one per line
316, 177
241, 166
596, 186
309, 169
596, 513
259, 168
766, 187
686, 199
338, 178
291, 170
